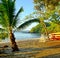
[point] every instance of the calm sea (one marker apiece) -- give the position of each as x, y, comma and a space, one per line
24, 36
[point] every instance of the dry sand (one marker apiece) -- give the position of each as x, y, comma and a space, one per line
33, 49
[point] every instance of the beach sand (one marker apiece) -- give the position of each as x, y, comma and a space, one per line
33, 49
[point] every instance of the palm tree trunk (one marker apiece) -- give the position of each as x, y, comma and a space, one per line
13, 43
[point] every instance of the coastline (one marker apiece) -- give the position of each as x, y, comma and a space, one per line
8, 41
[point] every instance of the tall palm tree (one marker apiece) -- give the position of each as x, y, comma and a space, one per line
8, 20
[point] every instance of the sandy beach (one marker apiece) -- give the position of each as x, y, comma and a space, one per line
33, 49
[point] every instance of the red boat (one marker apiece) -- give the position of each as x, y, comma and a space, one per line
54, 36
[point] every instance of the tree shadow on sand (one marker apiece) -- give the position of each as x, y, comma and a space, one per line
52, 56
38, 49
29, 52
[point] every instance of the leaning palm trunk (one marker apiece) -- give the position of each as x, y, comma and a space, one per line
13, 43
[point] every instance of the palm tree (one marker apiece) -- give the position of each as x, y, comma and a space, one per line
8, 20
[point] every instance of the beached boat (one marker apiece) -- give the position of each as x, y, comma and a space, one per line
54, 36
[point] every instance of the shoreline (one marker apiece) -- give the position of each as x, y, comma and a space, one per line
30, 39
8, 41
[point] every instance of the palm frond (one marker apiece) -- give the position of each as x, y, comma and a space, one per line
27, 23
14, 23
20, 10
3, 19
9, 10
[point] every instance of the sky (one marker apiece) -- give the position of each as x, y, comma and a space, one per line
28, 7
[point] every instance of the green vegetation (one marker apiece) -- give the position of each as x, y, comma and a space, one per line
51, 27
3, 35
39, 28
47, 10
36, 29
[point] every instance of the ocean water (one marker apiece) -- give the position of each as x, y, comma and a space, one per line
24, 36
